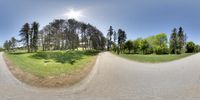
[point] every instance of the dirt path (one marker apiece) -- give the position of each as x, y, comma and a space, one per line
115, 78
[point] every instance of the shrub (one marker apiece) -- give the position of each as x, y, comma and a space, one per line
162, 50
65, 57
149, 50
190, 47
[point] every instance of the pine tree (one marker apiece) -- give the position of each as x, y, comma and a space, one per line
24, 33
173, 41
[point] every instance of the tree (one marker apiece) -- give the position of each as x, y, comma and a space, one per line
114, 41
68, 34
109, 37
24, 33
158, 43
57, 28
173, 41
1, 49
197, 48
144, 46
35, 31
13, 42
6, 45
115, 37
136, 45
83, 34
121, 39
190, 47
129, 45
181, 39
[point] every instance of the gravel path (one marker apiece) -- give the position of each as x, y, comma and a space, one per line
115, 78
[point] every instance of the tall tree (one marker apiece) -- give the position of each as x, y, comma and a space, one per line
121, 39
6, 45
35, 31
181, 39
68, 34
24, 33
115, 36
109, 36
83, 35
13, 42
173, 41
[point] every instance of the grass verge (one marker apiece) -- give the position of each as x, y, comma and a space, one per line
51, 69
154, 58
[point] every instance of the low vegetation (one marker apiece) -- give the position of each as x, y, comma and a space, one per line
54, 63
154, 58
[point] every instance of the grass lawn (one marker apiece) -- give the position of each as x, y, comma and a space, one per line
154, 58
52, 63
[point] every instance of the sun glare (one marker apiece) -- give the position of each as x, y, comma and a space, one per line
72, 14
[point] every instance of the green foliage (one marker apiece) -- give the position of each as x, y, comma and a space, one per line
121, 39
150, 50
64, 57
155, 58
1, 49
136, 45
109, 38
162, 50
181, 39
129, 45
173, 42
144, 46
190, 47
177, 41
7, 45
197, 48
158, 40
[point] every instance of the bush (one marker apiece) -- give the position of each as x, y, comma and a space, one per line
197, 48
162, 50
149, 50
1, 49
65, 57
190, 47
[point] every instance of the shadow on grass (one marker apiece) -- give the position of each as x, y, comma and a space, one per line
17, 53
65, 57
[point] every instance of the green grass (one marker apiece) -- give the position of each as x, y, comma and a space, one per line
44, 64
154, 58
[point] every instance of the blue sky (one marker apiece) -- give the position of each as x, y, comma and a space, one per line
139, 18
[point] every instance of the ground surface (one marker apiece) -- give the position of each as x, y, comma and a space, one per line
115, 78
40, 73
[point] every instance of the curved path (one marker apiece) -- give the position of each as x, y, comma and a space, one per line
115, 78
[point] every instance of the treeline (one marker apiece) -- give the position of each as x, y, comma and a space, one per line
59, 35
116, 40
71, 34
160, 44
10, 44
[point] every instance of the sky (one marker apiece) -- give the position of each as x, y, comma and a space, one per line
139, 18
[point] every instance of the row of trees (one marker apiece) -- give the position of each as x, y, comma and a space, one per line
191, 47
71, 34
178, 41
116, 40
29, 36
59, 35
159, 44
10, 44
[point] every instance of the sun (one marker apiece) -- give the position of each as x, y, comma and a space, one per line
72, 14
